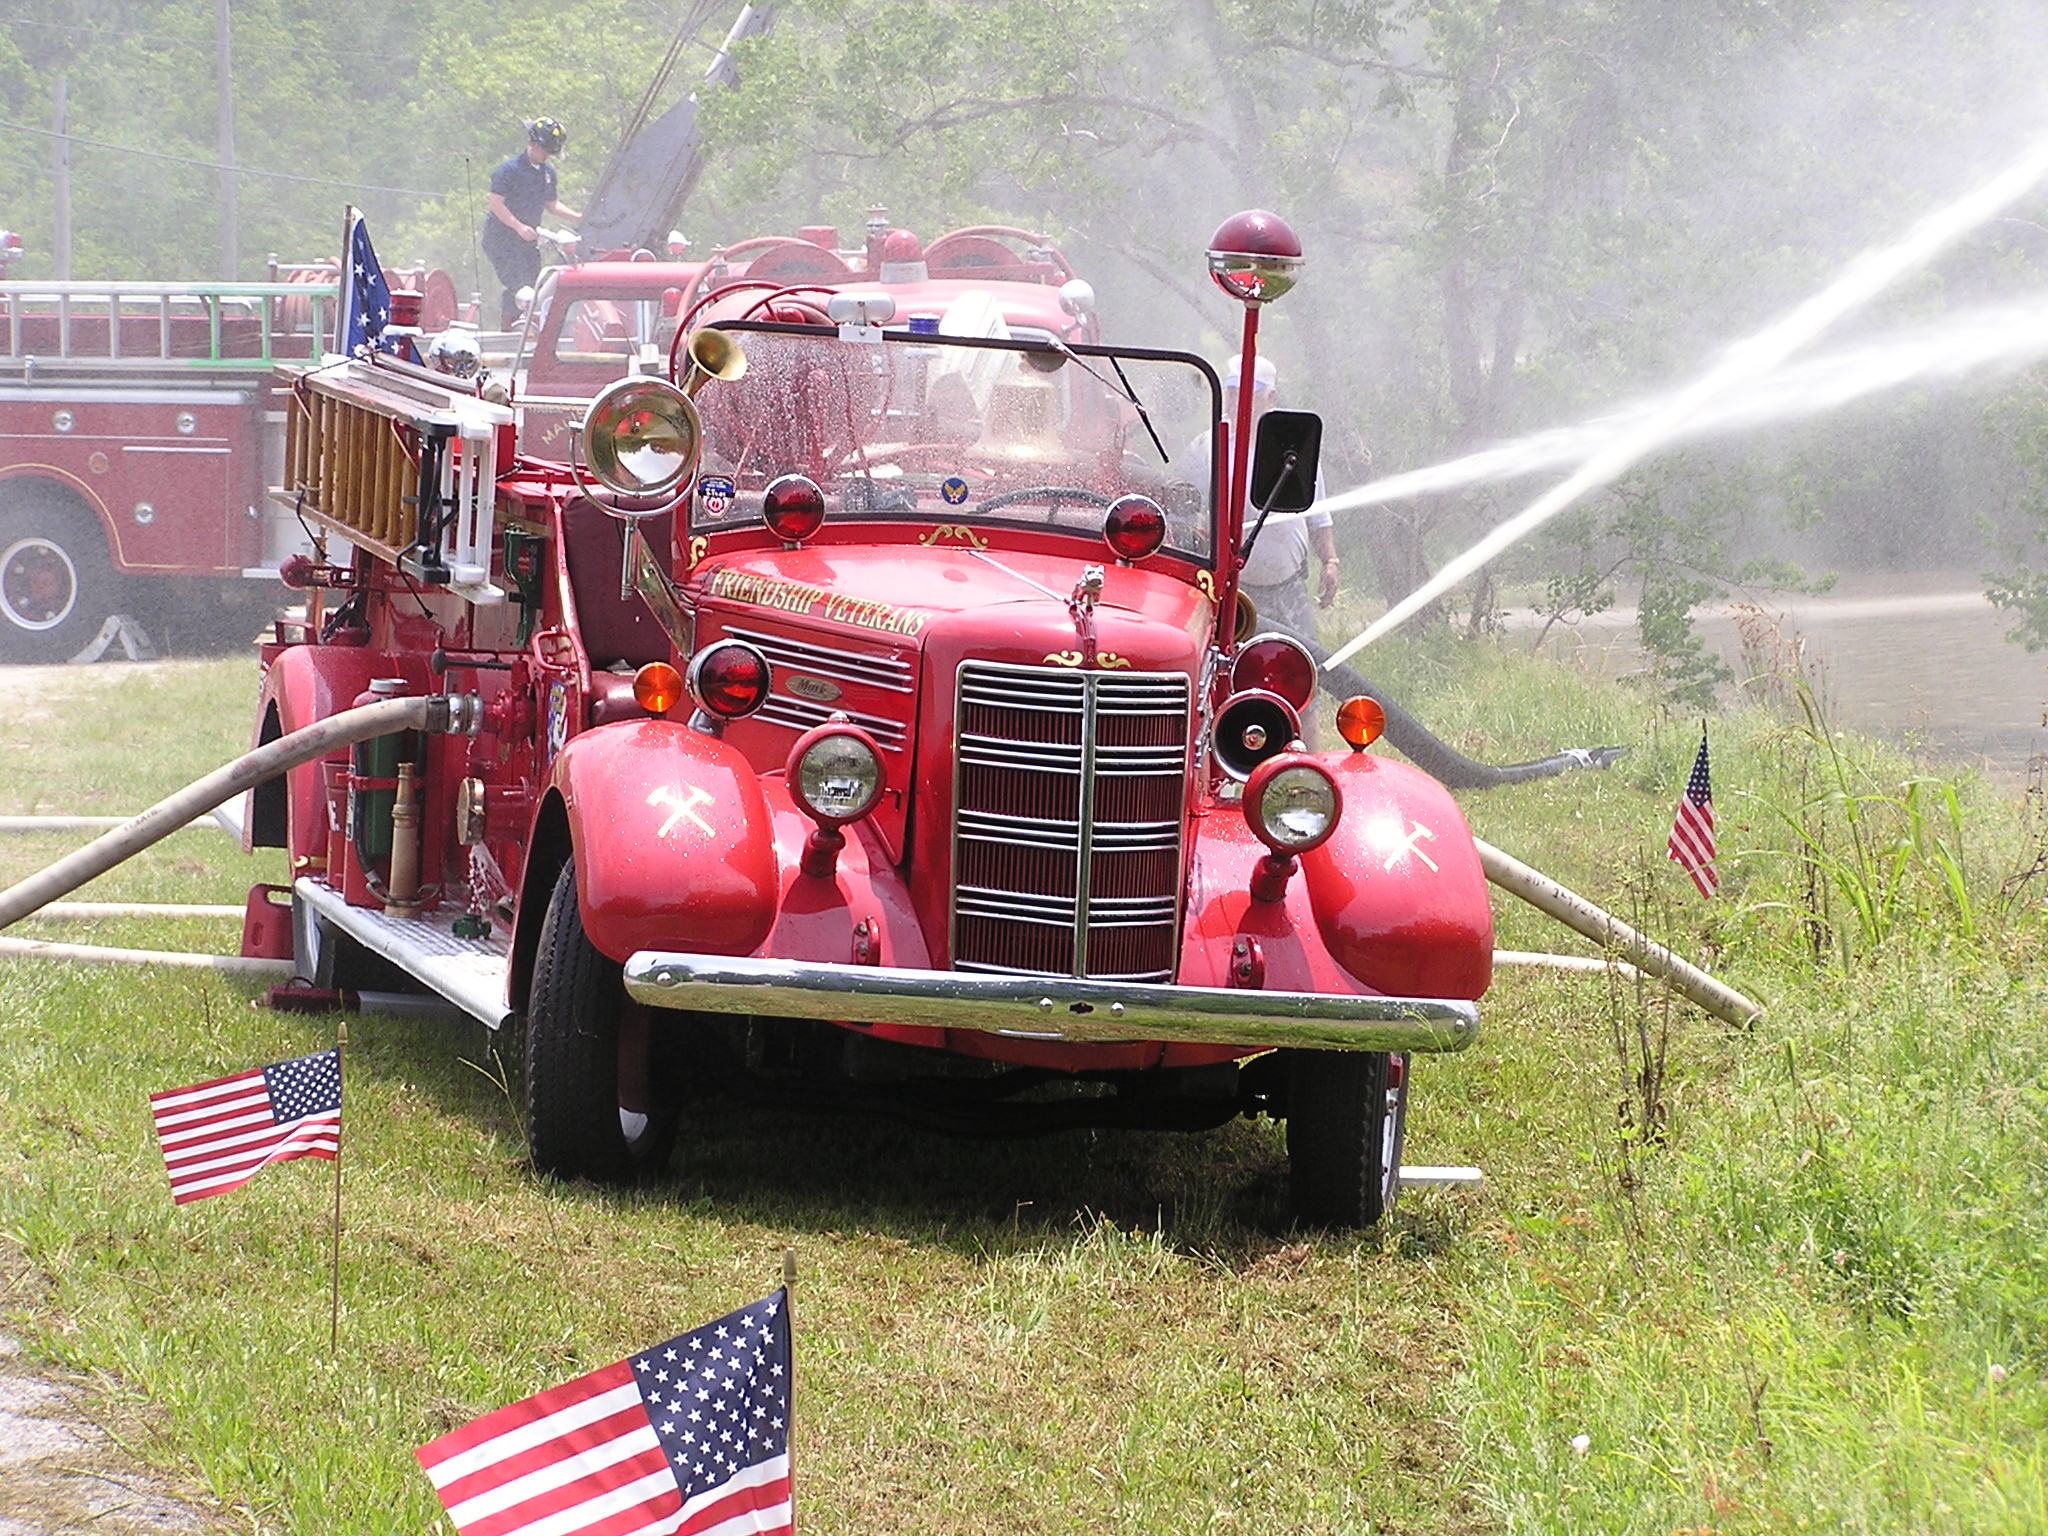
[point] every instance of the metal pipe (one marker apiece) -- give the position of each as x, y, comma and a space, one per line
1538, 961
100, 954
1610, 932
85, 823
87, 911
432, 712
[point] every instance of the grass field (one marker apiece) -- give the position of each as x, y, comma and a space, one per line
1724, 1282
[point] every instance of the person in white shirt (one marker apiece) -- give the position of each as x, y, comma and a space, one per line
1294, 548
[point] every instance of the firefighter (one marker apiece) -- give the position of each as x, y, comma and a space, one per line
1294, 548
522, 189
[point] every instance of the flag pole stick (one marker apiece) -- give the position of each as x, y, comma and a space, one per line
334, 1294
789, 1321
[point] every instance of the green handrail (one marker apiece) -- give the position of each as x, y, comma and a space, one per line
210, 305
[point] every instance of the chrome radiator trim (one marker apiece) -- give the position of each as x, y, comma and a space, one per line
1048, 1008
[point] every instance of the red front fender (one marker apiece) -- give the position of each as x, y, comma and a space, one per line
672, 839
1398, 891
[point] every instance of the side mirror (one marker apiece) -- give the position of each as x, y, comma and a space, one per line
1284, 459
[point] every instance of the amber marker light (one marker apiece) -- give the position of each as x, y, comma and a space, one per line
658, 687
1361, 721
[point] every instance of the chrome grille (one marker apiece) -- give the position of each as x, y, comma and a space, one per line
1069, 791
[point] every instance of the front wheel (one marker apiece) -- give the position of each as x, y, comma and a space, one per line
1346, 1113
57, 585
595, 1106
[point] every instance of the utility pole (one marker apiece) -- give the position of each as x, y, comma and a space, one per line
230, 236
60, 239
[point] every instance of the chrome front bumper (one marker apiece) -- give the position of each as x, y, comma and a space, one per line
1048, 1008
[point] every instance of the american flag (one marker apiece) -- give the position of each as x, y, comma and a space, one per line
690, 1438
218, 1136
1692, 831
365, 297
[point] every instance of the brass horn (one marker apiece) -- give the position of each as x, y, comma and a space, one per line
713, 355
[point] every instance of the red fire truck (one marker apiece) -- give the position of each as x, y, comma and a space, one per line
142, 433
863, 705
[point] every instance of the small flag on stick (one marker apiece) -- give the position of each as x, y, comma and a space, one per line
1692, 830
218, 1136
689, 1437
365, 307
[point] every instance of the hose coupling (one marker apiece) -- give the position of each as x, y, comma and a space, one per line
455, 714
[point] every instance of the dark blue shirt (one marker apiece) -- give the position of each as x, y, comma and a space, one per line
528, 190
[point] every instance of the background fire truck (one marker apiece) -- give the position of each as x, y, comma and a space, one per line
140, 430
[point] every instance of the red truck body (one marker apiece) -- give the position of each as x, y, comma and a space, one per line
140, 434
870, 716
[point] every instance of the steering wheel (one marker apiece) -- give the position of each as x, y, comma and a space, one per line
1054, 497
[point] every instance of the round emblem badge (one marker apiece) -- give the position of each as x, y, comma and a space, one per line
954, 490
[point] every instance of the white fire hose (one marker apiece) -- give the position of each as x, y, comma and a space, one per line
439, 713
1610, 932
444, 713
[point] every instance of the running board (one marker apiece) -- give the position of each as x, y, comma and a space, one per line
470, 973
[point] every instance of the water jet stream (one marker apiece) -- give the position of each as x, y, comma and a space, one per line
1744, 364
1971, 342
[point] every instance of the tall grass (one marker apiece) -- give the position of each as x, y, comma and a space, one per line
1778, 1279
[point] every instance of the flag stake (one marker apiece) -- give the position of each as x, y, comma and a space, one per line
334, 1307
789, 1320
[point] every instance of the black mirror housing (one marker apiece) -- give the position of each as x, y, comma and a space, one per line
1285, 454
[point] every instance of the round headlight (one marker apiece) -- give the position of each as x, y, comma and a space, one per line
1292, 805
641, 437
835, 773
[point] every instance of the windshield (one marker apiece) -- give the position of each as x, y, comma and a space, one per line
937, 429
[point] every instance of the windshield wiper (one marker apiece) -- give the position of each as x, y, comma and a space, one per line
1122, 386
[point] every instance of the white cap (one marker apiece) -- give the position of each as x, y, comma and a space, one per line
1264, 374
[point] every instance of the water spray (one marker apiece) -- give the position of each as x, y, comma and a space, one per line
1971, 342
1744, 364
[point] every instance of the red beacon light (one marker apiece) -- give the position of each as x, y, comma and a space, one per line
729, 679
1134, 527
1254, 256
793, 507
902, 258
1278, 664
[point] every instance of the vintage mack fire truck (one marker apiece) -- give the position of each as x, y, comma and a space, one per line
862, 704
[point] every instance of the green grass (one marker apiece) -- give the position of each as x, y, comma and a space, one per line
1769, 1285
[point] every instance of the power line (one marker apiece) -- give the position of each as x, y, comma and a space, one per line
211, 165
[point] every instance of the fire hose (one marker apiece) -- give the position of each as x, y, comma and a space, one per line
1610, 932
439, 713
456, 713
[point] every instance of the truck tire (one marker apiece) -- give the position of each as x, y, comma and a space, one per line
57, 585
597, 1108
1346, 1114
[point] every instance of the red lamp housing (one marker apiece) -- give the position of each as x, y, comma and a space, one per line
793, 507
1278, 664
1254, 257
729, 679
1134, 527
